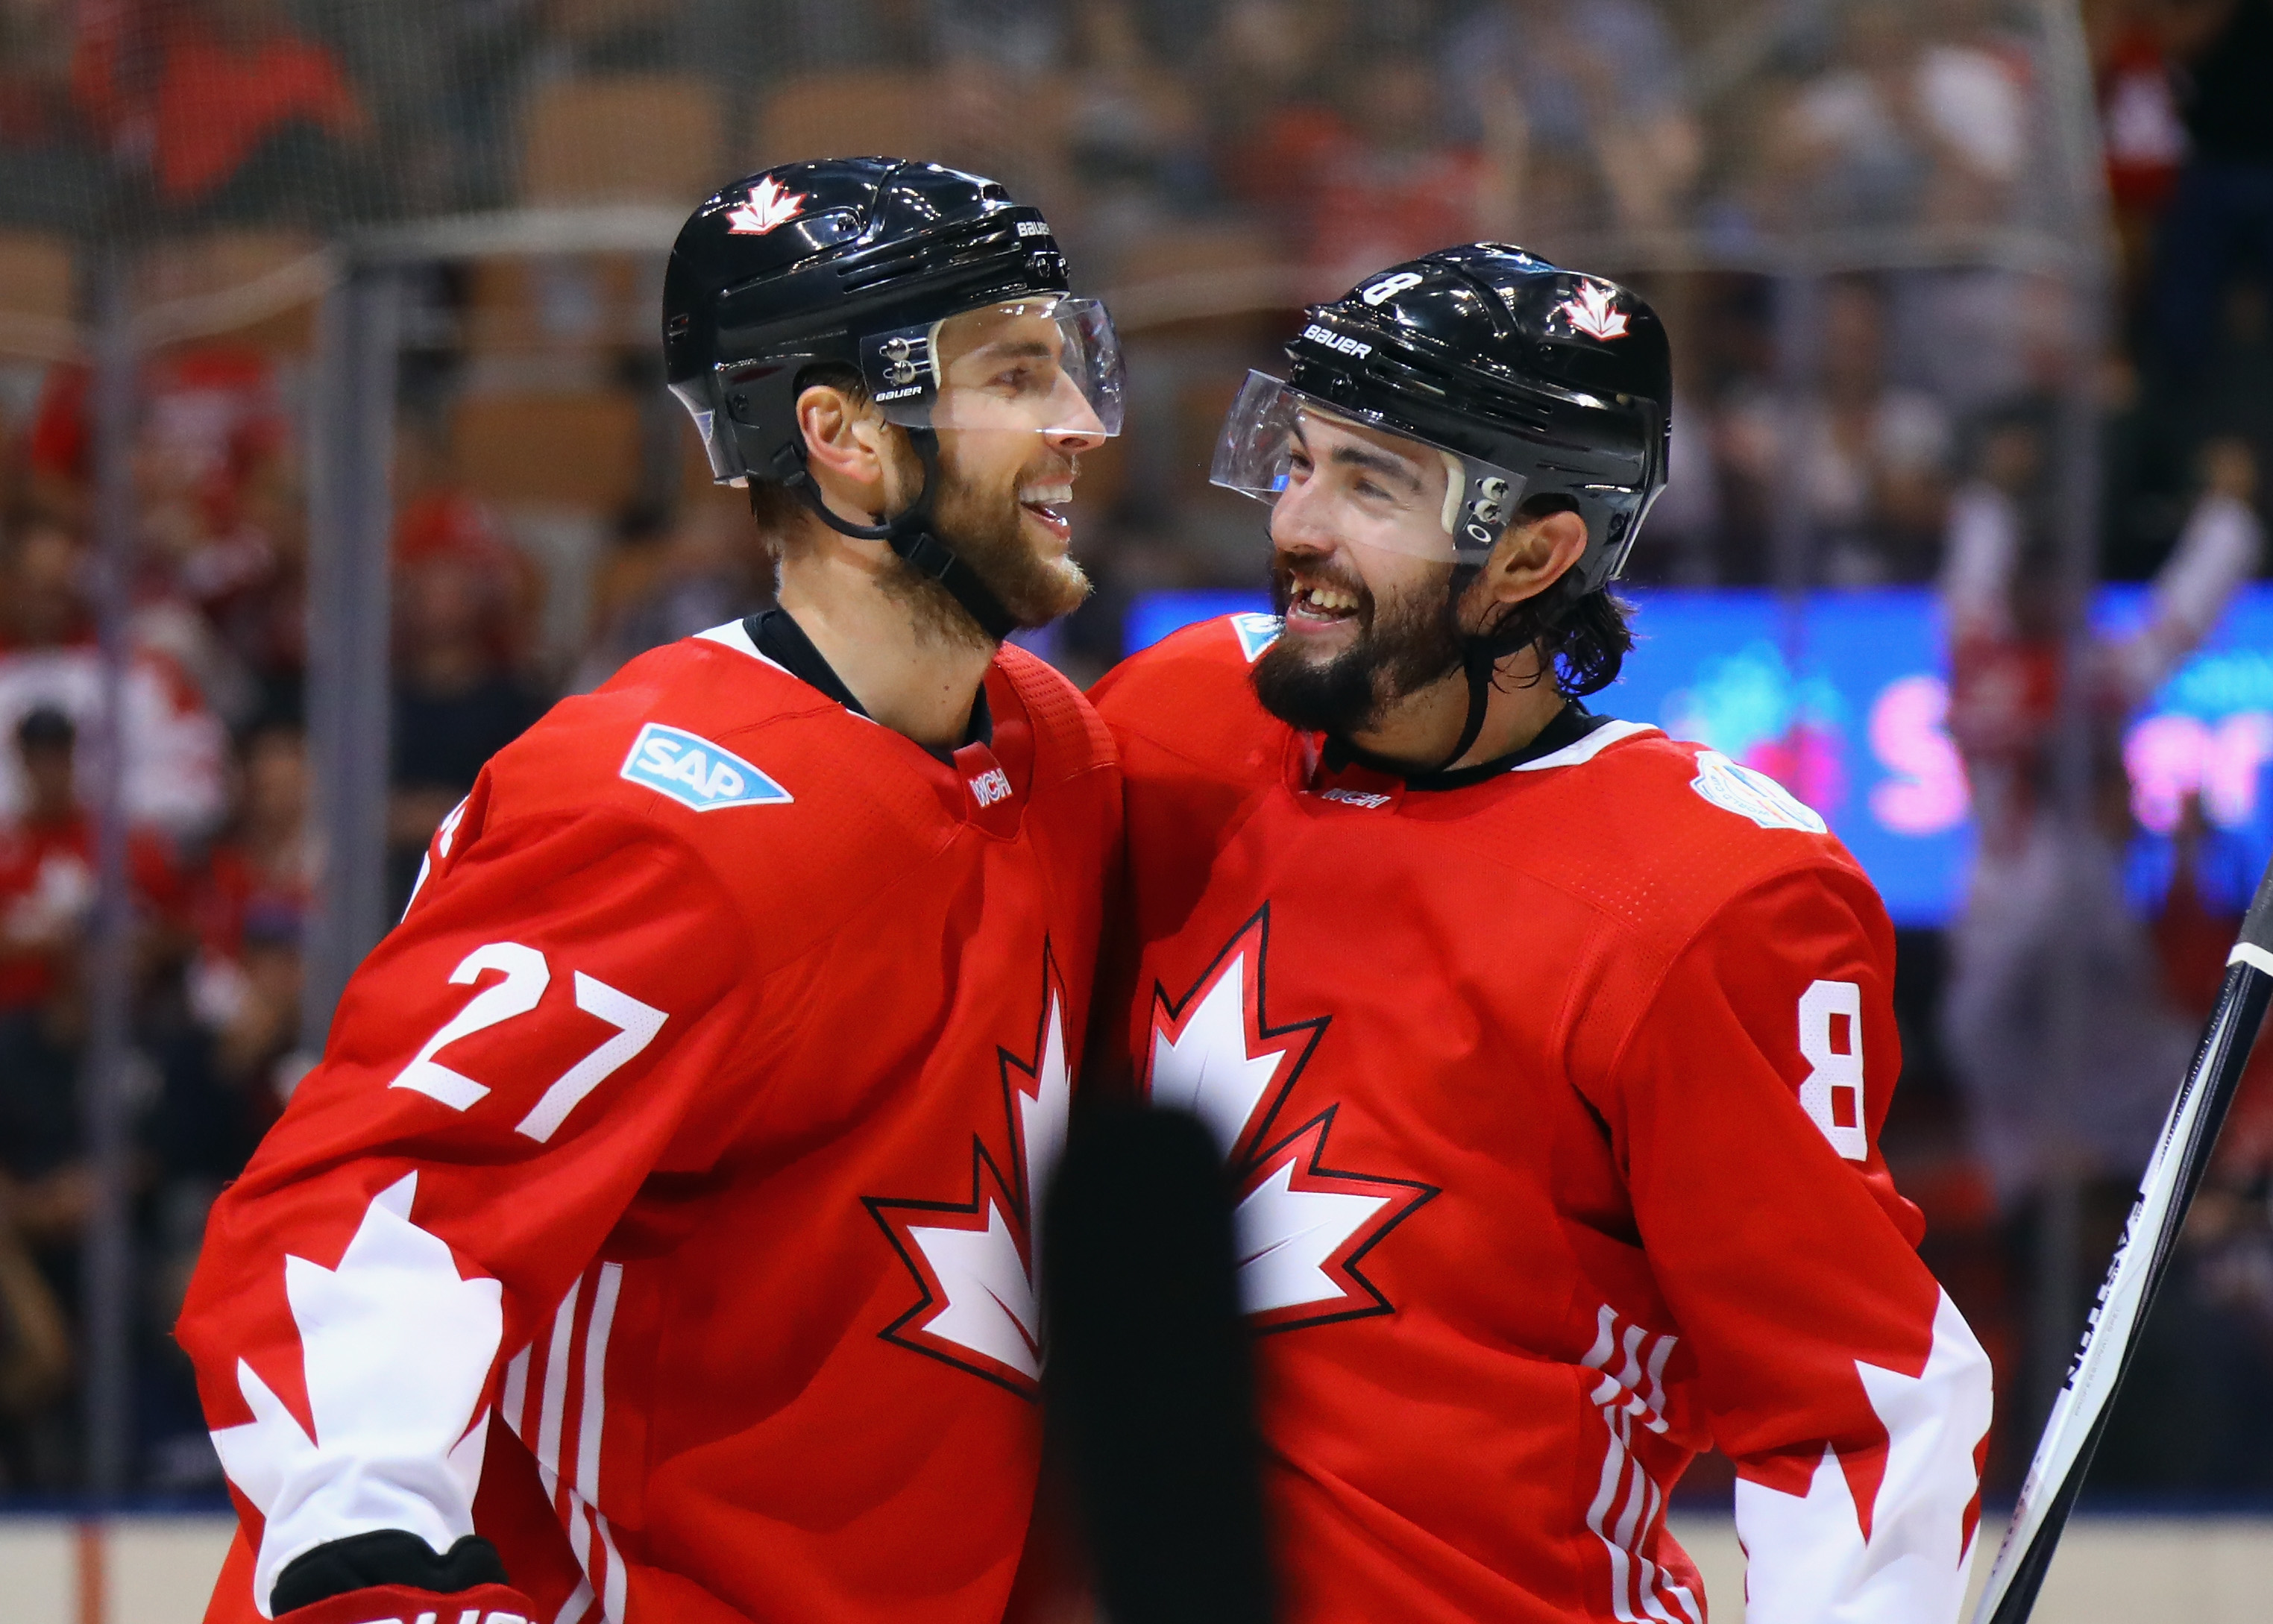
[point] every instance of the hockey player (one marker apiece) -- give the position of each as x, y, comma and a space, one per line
1548, 1053
655, 1241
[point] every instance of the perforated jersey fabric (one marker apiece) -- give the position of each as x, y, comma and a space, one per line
1553, 1101
663, 1209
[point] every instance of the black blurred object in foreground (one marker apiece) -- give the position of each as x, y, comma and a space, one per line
1150, 1382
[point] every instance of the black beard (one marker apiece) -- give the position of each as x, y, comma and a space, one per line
1398, 650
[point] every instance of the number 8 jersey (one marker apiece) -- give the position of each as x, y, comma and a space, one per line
663, 1209
1551, 1090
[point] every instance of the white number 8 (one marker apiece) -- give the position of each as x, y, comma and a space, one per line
1389, 287
1831, 1040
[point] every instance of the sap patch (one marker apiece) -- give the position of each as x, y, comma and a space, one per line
696, 773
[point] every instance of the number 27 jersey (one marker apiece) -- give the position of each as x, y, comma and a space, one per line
663, 1207
1553, 1100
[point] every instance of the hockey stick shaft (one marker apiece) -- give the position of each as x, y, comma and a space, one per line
2141, 1260
1150, 1385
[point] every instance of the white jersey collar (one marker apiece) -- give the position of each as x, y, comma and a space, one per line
736, 636
1587, 748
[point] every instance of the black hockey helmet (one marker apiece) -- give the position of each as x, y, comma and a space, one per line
1536, 379
1530, 380
858, 263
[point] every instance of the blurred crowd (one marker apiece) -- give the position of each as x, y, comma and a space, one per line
1841, 209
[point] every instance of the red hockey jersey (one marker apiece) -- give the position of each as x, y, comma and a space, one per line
664, 1207
1553, 1098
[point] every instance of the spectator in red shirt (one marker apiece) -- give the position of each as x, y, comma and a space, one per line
1344, 143
47, 867
1274, 102
258, 877
221, 549
48, 657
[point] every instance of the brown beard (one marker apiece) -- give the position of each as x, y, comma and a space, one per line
1399, 649
987, 530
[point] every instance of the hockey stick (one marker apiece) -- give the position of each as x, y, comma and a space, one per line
2142, 1259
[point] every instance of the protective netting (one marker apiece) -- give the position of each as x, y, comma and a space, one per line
1210, 166
435, 229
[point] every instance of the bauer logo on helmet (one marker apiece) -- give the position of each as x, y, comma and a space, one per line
1335, 342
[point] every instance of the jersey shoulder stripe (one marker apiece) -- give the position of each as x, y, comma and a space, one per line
1229, 643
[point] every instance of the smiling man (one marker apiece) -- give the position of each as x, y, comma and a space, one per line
656, 1240
1548, 1054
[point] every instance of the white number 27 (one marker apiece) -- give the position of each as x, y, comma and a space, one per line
527, 975
1831, 1041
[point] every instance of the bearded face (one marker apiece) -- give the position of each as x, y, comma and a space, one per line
1008, 528
1402, 638
1003, 522
1017, 387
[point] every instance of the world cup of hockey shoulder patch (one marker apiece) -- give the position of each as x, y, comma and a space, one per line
696, 773
1256, 633
1750, 794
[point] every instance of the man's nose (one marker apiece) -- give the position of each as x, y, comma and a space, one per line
1081, 429
1298, 522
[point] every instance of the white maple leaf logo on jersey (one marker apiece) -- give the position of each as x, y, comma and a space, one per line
974, 1261
771, 204
361, 1397
1592, 313
1302, 1227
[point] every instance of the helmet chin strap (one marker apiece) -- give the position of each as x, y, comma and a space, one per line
1479, 653
909, 534
1477, 662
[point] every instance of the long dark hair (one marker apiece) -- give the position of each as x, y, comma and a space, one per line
1583, 638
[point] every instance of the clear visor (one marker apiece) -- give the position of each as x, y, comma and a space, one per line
1049, 364
1321, 467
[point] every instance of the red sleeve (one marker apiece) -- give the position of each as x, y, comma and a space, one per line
1835, 1373
503, 1073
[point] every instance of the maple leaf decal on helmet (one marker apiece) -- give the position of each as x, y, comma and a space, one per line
974, 1262
1301, 1227
1592, 312
771, 204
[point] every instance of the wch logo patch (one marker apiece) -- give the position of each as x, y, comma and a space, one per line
991, 786
697, 774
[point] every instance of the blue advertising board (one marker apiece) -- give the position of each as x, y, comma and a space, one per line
1854, 725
